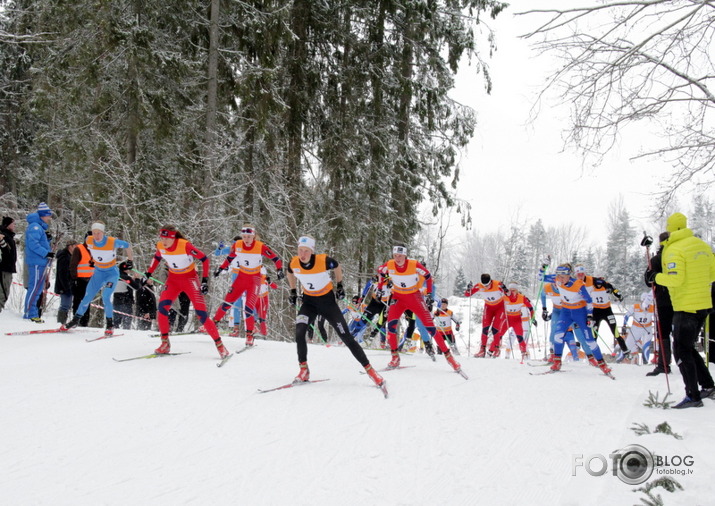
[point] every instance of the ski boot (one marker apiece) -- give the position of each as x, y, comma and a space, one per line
429, 349
234, 333
452, 361
592, 360
495, 352
72, 323
556, 366
603, 366
625, 359
249, 338
304, 374
165, 346
61, 317
395, 362
222, 349
481, 353
37, 319
109, 332
374, 376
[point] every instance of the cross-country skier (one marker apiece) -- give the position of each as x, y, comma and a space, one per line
405, 276
494, 317
550, 292
319, 298
576, 310
640, 334
262, 301
103, 249
514, 302
443, 318
250, 252
180, 256
600, 291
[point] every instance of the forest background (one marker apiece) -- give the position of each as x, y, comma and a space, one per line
334, 119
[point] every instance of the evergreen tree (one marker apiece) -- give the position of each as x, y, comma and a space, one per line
460, 283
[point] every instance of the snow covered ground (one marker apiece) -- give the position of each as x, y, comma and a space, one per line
79, 428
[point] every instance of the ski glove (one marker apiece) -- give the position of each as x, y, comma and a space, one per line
218, 271
204, 285
293, 297
617, 294
545, 315
340, 291
51, 254
147, 277
379, 294
457, 327
130, 264
589, 320
280, 274
650, 277
624, 330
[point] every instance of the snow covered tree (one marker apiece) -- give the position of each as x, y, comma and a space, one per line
460, 282
632, 62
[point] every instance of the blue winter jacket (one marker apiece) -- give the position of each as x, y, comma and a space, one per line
36, 244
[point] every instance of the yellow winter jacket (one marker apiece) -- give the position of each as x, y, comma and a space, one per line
688, 271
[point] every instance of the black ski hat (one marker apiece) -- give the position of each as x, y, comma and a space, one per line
486, 279
7, 221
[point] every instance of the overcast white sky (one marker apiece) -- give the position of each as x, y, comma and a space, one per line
514, 170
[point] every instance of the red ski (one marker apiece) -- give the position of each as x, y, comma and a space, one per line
290, 385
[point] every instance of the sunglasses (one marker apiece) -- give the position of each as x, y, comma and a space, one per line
248, 231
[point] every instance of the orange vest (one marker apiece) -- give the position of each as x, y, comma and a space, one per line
104, 256
407, 281
316, 280
178, 260
84, 268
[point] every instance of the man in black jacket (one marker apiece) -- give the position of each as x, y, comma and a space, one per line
8, 252
63, 281
663, 312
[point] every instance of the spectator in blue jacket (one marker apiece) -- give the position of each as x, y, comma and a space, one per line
37, 256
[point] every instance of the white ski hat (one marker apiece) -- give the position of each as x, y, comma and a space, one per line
307, 242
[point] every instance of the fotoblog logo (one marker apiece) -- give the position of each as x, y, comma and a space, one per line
633, 464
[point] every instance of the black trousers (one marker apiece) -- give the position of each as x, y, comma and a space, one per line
326, 306
79, 288
686, 328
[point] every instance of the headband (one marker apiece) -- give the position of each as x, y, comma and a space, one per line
98, 226
171, 234
399, 250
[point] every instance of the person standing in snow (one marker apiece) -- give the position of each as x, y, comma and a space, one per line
663, 311
103, 249
180, 255
63, 281
406, 275
576, 310
494, 318
81, 270
249, 252
319, 299
8, 260
688, 272
38, 255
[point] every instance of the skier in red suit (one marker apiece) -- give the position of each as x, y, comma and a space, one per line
180, 256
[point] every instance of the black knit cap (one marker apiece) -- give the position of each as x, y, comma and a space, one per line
7, 221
